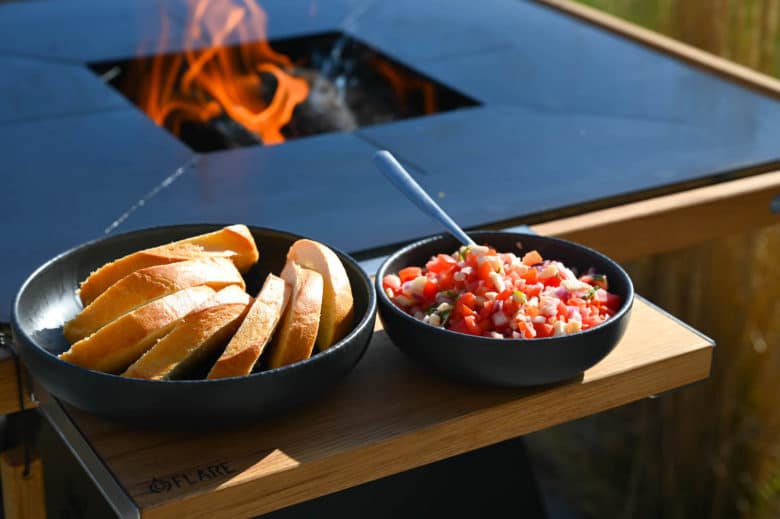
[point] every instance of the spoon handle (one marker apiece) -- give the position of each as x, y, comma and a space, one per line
402, 180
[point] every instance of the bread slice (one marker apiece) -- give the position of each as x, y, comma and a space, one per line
121, 342
297, 332
337, 303
234, 242
248, 343
195, 338
148, 284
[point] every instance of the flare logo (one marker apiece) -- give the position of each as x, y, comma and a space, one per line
192, 477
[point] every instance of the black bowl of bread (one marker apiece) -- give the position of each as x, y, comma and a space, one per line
193, 324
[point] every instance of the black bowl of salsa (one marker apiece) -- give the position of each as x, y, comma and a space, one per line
506, 361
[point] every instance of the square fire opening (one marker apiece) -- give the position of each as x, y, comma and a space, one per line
268, 92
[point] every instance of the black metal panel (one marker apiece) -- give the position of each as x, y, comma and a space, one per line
573, 115
324, 186
535, 162
85, 30
31, 89
64, 181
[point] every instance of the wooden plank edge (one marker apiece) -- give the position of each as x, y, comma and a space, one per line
741, 74
9, 387
675, 221
438, 442
23, 494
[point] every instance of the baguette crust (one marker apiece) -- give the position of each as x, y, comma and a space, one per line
337, 302
248, 343
298, 329
234, 242
120, 343
148, 284
194, 338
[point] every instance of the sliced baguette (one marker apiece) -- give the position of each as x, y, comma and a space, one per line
234, 242
337, 302
248, 343
148, 284
121, 342
297, 332
194, 338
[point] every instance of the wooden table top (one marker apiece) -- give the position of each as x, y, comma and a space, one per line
385, 417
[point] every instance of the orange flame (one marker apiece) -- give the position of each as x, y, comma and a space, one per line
210, 79
404, 86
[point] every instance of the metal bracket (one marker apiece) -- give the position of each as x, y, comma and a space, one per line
115, 495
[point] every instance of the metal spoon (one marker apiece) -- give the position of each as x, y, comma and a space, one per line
401, 179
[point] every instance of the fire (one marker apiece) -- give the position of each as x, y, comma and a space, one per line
211, 79
404, 86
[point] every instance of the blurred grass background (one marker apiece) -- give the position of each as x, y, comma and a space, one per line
711, 450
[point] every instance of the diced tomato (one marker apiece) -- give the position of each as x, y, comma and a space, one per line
468, 299
522, 327
457, 325
430, 290
484, 270
530, 276
487, 309
504, 295
463, 310
464, 306
441, 263
543, 329
409, 273
533, 290
485, 325
532, 258
590, 320
446, 280
471, 325
613, 302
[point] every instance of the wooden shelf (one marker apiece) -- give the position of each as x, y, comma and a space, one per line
9, 386
386, 417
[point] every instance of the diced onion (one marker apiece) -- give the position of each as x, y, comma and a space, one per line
498, 281
559, 328
499, 319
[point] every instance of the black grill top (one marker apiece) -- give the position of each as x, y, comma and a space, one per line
571, 115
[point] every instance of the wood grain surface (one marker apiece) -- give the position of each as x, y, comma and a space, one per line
387, 416
9, 386
23, 494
